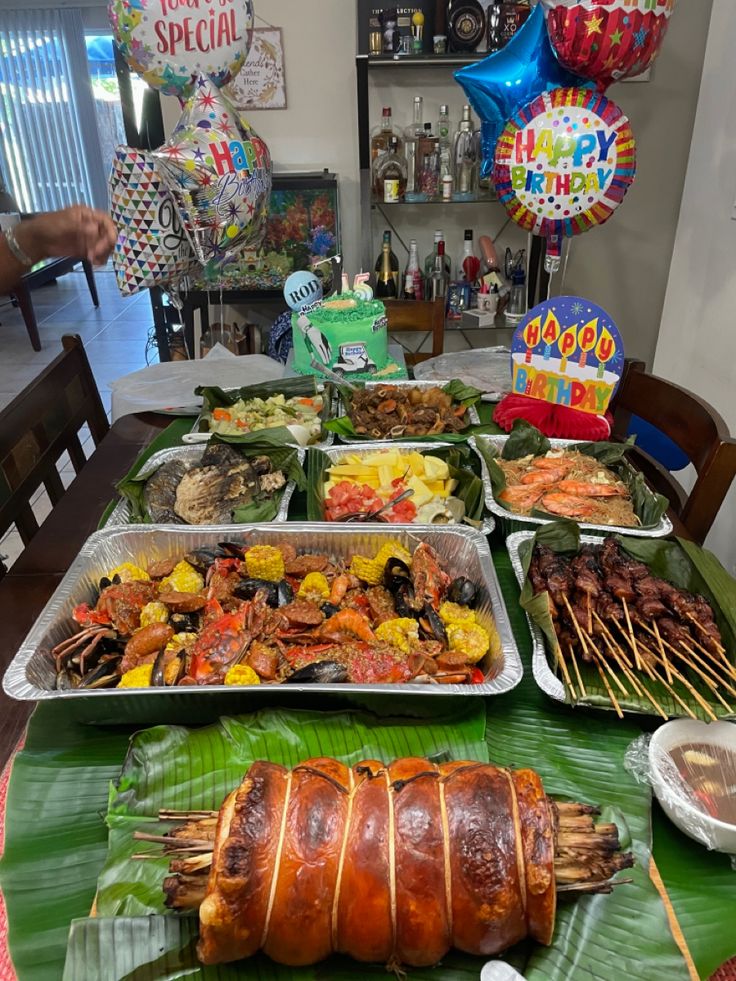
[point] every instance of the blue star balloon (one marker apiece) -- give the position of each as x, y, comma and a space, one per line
505, 81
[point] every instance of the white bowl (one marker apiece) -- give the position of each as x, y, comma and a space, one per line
690, 820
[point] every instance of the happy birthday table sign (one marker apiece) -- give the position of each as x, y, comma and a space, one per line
567, 351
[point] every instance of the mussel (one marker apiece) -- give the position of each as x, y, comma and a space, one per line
232, 549
462, 591
403, 597
158, 673
105, 582
184, 623
431, 626
395, 574
319, 673
202, 558
277, 593
104, 675
329, 610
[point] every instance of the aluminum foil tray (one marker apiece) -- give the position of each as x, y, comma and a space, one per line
513, 522
30, 676
340, 410
338, 453
200, 434
120, 515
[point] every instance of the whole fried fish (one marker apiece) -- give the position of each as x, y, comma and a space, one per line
159, 495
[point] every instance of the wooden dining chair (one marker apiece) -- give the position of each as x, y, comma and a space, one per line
421, 316
39, 425
695, 427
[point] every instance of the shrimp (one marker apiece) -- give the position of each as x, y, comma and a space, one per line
340, 585
346, 626
543, 476
567, 505
579, 489
551, 463
520, 496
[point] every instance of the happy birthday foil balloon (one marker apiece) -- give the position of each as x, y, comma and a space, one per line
564, 163
607, 40
505, 81
172, 42
219, 173
151, 248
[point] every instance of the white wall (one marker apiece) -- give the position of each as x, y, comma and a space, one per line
319, 127
697, 339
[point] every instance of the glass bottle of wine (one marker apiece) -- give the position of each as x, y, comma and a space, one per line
393, 261
386, 288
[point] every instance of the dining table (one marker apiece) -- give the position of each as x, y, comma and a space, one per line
683, 869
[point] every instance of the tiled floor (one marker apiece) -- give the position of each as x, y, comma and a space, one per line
114, 335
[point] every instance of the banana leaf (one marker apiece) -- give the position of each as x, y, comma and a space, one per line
526, 440
462, 463
684, 564
173, 767
266, 442
462, 394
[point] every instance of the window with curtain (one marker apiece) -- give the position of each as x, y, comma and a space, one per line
49, 145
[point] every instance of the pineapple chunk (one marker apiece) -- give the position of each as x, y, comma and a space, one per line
385, 476
435, 469
416, 462
351, 470
384, 458
437, 487
422, 493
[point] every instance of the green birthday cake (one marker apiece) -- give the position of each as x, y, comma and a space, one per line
346, 333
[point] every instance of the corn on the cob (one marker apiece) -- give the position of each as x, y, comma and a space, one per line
242, 674
470, 639
265, 562
180, 640
366, 569
402, 633
455, 613
139, 677
127, 572
314, 587
392, 550
154, 612
183, 579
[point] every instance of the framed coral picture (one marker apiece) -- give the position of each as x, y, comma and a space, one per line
261, 82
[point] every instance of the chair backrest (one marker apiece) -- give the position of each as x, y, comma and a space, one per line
696, 428
38, 426
427, 316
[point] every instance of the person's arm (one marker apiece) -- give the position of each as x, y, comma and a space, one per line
77, 231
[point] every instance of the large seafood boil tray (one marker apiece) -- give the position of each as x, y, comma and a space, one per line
31, 675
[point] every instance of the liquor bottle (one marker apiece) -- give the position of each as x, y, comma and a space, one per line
427, 180
381, 135
444, 137
466, 159
493, 26
409, 293
412, 135
385, 281
468, 265
413, 273
393, 261
513, 15
466, 24
439, 236
389, 174
438, 280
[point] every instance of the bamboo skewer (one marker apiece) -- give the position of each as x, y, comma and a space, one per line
709, 681
694, 692
661, 649
711, 671
571, 652
604, 679
663, 681
719, 647
611, 641
566, 674
631, 632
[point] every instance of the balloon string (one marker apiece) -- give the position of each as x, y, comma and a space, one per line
568, 249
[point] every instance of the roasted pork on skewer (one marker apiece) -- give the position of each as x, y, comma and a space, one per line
393, 864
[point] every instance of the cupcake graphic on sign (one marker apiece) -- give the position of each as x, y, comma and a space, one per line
567, 351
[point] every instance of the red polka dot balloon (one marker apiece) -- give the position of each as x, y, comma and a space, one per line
607, 40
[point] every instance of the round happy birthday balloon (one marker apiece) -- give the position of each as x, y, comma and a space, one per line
301, 289
607, 40
564, 163
171, 42
219, 173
